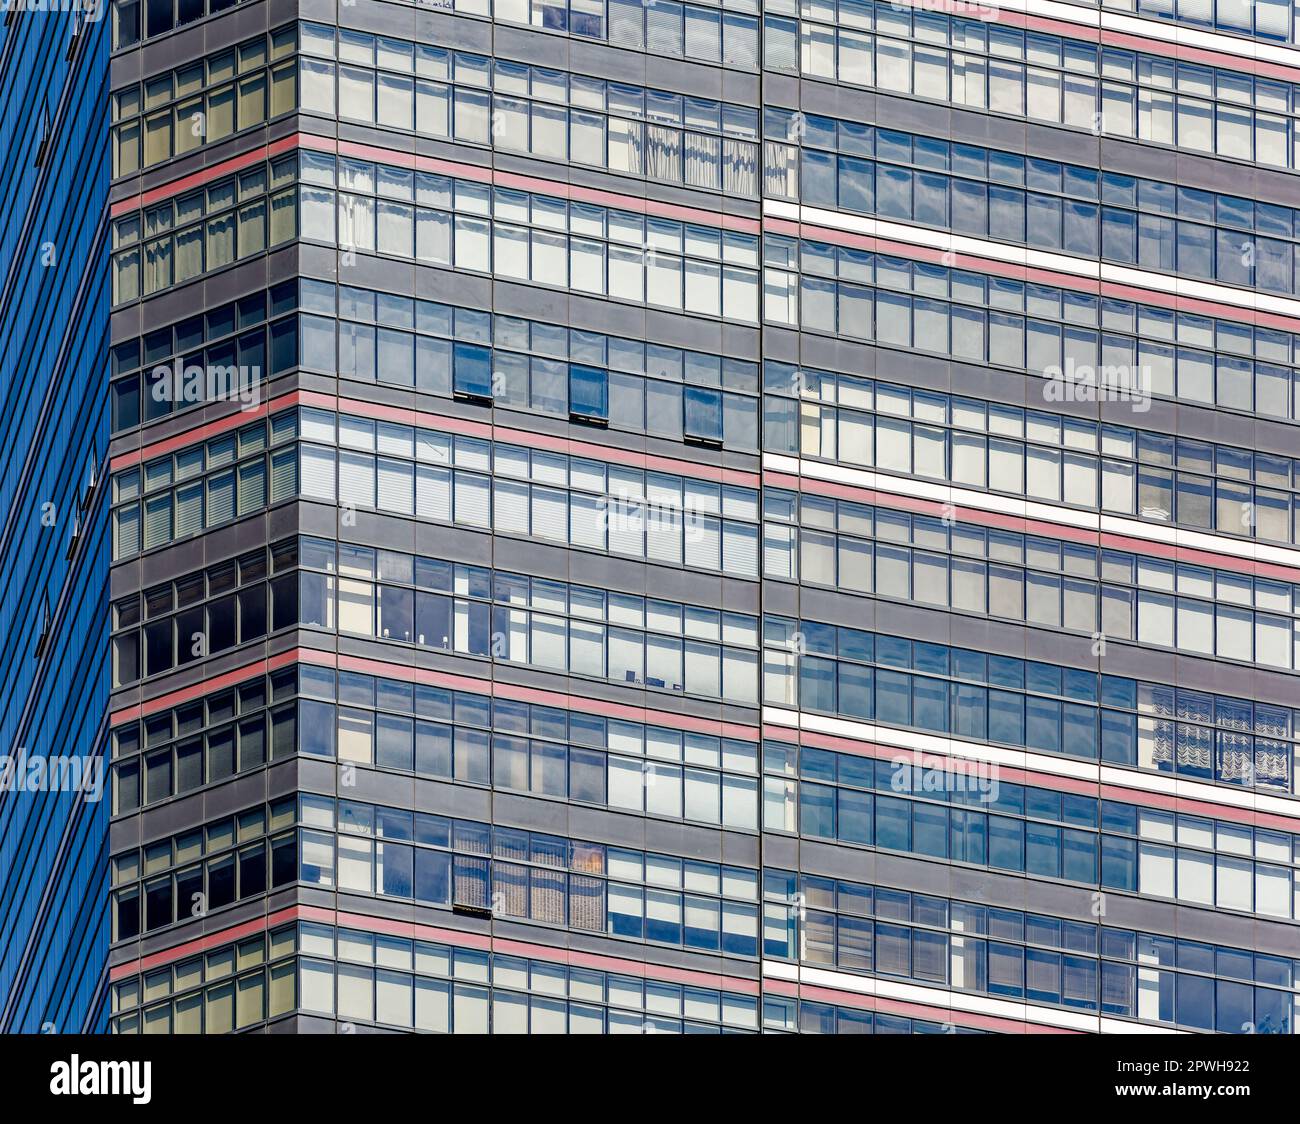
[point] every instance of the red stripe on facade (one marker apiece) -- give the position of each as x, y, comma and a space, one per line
1109, 37
649, 206
949, 763
475, 172
202, 944
493, 432
317, 657
457, 937
995, 267
1198, 807
441, 422
956, 764
200, 432
203, 176
890, 1006
203, 687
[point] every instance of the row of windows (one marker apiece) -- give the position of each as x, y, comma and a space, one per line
512, 762
650, 773
910, 812
527, 996
1025, 704
232, 859
1153, 326
1163, 748
968, 164
707, 31
1144, 610
977, 319
637, 384
906, 776
212, 840
237, 342
1096, 939
452, 738
374, 985
471, 610
658, 784
134, 20
180, 243
1042, 77
1028, 957
469, 709
204, 457
204, 486
576, 391
547, 113
888, 525
203, 752
203, 102
989, 209
1266, 19
605, 252
624, 23
419, 985
583, 503
239, 991
398, 999
807, 1017
617, 253
1130, 372
1208, 490
643, 897
184, 621
435, 860
1276, 20
244, 701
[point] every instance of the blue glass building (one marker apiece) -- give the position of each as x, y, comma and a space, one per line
53, 550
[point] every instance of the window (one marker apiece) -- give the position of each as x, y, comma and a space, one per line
473, 371
703, 415
588, 393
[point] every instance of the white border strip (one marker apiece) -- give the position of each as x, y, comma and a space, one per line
1099, 522
956, 1000
1247, 48
1029, 258
1091, 772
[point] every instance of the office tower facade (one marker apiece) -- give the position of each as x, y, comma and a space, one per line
635, 517
54, 689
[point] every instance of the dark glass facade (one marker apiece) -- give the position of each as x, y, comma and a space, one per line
54, 688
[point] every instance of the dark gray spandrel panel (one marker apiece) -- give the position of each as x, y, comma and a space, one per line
392, 790
317, 776
683, 840
442, 799
452, 31
830, 861
599, 826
